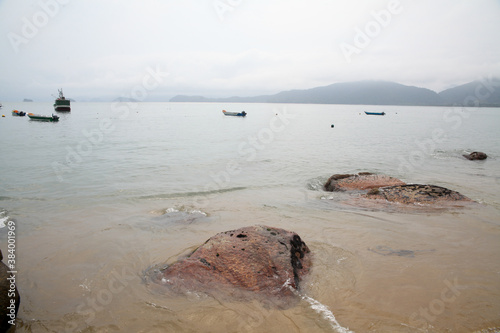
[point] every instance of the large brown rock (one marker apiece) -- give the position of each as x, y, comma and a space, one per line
391, 189
260, 259
416, 193
361, 181
477, 155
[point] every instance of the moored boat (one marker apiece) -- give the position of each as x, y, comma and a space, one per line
237, 114
375, 113
43, 118
18, 113
62, 104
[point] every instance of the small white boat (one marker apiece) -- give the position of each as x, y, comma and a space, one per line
18, 113
237, 114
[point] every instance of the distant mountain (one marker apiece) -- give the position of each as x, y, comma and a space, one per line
366, 92
484, 93
363, 92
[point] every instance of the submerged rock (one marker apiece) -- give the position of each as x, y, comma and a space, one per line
361, 181
477, 155
9, 297
387, 251
416, 193
260, 259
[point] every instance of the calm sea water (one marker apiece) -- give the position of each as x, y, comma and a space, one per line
112, 189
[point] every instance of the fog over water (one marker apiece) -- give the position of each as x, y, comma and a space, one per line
98, 51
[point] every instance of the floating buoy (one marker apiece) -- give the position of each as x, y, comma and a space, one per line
332, 126
3, 115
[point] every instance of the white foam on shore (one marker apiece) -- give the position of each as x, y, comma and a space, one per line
193, 211
322, 309
197, 212
3, 221
325, 313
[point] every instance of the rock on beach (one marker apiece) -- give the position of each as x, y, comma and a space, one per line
477, 155
416, 193
391, 189
360, 181
259, 259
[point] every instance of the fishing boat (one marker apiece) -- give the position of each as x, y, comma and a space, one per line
375, 113
237, 114
18, 113
43, 118
62, 104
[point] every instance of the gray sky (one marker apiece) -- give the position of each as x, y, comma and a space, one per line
109, 48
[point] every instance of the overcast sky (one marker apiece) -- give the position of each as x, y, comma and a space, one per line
221, 48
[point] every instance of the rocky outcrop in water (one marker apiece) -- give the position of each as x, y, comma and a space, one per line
9, 297
477, 155
360, 181
260, 259
392, 189
415, 193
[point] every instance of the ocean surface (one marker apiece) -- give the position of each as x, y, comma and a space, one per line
115, 188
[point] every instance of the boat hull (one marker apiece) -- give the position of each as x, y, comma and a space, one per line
43, 118
375, 113
17, 113
62, 108
234, 114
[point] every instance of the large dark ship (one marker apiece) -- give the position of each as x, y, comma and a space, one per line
62, 104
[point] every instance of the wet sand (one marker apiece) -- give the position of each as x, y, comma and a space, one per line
362, 273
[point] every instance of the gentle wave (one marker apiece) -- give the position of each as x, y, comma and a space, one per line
325, 313
316, 184
191, 194
193, 211
4, 218
3, 221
